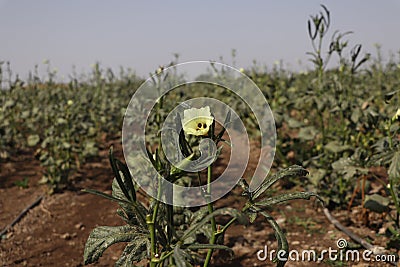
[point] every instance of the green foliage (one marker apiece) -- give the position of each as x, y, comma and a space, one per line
255, 205
104, 236
153, 238
63, 122
337, 120
24, 183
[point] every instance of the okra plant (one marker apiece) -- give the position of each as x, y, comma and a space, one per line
159, 229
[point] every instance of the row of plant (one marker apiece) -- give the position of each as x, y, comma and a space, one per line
341, 122
63, 122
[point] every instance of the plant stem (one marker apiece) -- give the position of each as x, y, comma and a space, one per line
395, 200
170, 214
227, 226
151, 220
390, 135
210, 210
150, 224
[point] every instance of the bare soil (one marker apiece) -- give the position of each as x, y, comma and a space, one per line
54, 232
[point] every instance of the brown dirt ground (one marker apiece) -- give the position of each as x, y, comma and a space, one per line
54, 232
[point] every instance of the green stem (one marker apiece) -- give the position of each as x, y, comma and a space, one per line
170, 216
321, 118
151, 221
227, 226
395, 200
165, 255
152, 231
210, 210
389, 135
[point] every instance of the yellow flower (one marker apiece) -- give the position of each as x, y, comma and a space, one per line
70, 102
197, 121
396, 116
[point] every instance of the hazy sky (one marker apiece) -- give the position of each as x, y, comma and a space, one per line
145, 34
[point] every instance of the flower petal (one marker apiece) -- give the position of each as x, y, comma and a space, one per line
197, 121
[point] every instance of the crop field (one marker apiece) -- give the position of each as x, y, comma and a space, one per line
72, 194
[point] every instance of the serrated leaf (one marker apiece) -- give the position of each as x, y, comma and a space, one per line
271, 201
180, 257
348, 167
199, 214
135, 251
376, 203
104, 236
291, 171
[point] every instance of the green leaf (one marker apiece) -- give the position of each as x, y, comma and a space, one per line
8, 104
291, 171
127, 179
61, 121
33, 140
104, 236
90, 149
208, 246
134, 211
180, 257
99, 193
118, 175
316, 176
293, 123
307, 133
376, 203
243, 184
336, 147
280, 237
242, 219
136, 250
271, 201
394, 168
389, 96
356, 115
348, 167
252, 216
199, 214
